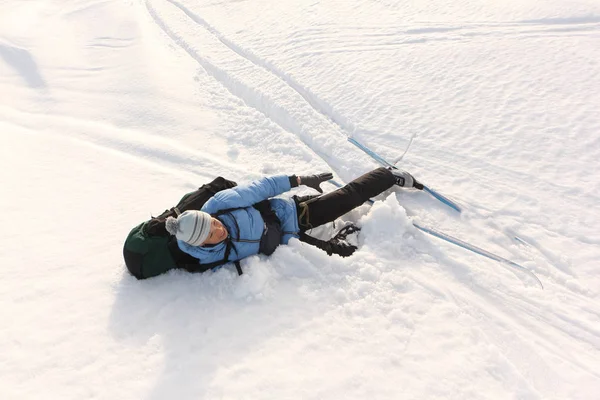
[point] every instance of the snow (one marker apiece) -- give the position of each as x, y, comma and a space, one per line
111, 110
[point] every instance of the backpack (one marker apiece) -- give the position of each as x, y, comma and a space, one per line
150, 250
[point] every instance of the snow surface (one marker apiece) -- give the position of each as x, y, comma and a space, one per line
111, 110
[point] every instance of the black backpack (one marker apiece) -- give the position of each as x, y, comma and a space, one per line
150, 250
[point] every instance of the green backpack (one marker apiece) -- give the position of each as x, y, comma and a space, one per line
150, 250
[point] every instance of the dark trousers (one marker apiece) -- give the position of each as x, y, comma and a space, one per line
314, 211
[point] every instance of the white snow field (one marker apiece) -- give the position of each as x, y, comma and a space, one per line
111, 110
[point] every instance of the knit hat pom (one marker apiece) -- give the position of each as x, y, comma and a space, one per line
172, 225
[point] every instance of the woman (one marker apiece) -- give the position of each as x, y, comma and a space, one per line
249, 219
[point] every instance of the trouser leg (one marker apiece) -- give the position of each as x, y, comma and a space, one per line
328, 208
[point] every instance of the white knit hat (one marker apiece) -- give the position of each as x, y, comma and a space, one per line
191, 227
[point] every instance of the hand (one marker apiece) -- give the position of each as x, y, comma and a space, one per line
314, 181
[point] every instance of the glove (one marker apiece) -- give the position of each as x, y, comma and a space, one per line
314, 181
343, 249
333, 246
339, 245
406, 180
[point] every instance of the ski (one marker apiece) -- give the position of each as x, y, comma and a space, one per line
475, 249
387, 164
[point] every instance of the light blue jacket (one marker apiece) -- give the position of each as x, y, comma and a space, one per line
245, 224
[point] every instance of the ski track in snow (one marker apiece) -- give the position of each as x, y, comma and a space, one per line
371, 39
307, 121
323, 108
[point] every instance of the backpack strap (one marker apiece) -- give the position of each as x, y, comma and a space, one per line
238, 266
230, 245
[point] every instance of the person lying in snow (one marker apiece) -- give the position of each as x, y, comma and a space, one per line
231, 226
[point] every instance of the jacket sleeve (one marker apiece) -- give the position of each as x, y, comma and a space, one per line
248, 194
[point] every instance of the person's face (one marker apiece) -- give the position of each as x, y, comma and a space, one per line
217, 234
